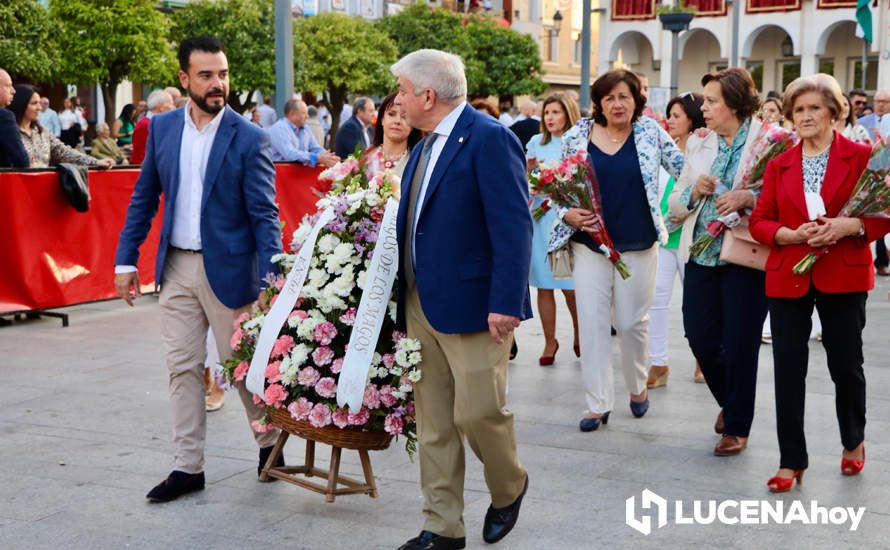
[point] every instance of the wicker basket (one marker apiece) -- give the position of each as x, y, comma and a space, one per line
330, 435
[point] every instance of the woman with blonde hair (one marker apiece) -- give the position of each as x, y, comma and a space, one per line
804, 190
559, 113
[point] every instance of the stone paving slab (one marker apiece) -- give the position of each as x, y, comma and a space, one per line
84, 434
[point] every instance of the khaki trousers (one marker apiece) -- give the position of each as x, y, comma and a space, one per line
461, 394
188, 306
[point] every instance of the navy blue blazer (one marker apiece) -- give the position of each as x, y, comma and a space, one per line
240, 229
12, 151
473, 236
348, 136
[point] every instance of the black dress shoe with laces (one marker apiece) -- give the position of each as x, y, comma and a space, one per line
265, 452
177, 484
427, 540
500, 521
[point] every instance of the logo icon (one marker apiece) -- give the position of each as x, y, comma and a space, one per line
647, 501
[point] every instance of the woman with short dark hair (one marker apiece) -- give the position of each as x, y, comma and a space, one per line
723, 303
627, 152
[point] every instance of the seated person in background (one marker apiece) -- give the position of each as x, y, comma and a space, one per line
12, 152
292, 140
159, 101
104, 147
44, 149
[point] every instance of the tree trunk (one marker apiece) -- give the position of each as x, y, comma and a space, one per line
336, 97
109, 90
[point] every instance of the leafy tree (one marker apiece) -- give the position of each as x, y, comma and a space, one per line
511, 60
27, 45
107, 41
247, 29
497, 60
341, 54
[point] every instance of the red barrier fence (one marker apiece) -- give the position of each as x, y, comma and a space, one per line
53, 256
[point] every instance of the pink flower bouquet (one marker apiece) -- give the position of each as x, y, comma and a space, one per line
302, 373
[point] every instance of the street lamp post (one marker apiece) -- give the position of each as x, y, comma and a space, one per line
676, 23
284, 54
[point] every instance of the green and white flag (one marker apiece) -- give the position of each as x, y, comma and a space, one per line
863, 20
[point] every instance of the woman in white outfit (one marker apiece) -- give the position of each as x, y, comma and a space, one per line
683, 117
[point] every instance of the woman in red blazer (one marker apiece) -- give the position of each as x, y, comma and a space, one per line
824, 165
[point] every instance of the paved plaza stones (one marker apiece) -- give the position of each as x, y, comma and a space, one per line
84, 419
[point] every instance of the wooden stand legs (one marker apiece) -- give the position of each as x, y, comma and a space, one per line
298, 474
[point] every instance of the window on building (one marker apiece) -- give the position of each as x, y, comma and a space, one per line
855, 72
826, 65
715, 67
788, 71
576, 57
756, 70
554, 46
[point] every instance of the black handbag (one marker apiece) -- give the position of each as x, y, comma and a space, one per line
73, 180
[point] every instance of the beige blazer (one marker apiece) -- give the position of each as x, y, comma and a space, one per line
701, 151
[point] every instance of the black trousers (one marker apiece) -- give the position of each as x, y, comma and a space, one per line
723, 312
881, 259
843, 318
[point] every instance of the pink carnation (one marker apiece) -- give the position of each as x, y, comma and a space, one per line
325, 333
320, 415
386, 396
326, 387
240, 319
261, 428
389, 360
337, 365
257, 400
274, 395
241, 371
393, 424
340, 418
322, 355
348, 317
308, 377
272, 373
372, 397
360, 418
235, 340
282, 346
300, 409
397, 336
299, 314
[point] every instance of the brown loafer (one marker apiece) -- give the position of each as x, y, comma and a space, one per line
718, 425
730, 445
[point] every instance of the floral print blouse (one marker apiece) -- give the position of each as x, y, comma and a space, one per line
814, 172
44, 149
724, 167
655, 150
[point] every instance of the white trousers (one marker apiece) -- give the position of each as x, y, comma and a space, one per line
600, 291
669, 266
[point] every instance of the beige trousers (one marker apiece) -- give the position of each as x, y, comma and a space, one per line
461, 394
188, 306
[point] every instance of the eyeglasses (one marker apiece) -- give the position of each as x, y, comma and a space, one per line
859, 102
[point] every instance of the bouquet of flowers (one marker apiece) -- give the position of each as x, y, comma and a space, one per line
772, 140
305, 362
870, 197
571, 183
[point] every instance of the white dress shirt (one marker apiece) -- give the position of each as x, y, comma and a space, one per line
443, 132
194, 150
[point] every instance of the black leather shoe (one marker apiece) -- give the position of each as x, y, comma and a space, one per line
177, 484
500, 521
265, 452
427, 540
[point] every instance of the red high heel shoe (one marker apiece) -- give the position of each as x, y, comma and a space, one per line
778, 484
547, 360
851, 467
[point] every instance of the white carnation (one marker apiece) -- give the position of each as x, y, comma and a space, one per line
361, 279
327, 243
372, 198
302, 233
307, 328
343, 285
299, 355
402, 358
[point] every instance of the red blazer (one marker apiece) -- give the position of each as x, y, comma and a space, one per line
848, 265
140, 138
